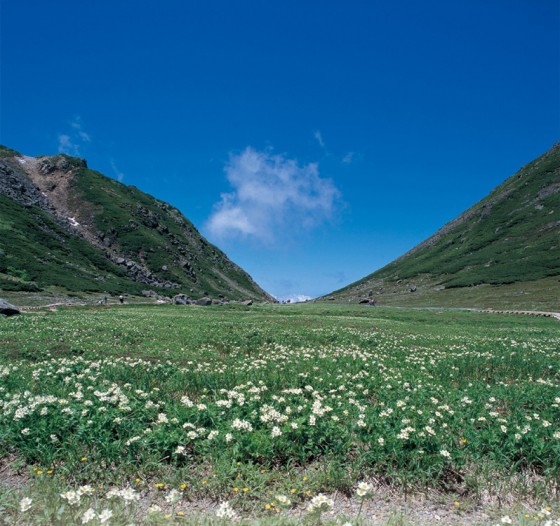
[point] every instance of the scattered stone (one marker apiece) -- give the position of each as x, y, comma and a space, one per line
204, 302
149, 293
181, 299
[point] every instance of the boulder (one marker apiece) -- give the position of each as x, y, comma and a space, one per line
7, 309
181, 299
204, 302
247, 302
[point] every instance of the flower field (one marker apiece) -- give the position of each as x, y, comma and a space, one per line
263, 409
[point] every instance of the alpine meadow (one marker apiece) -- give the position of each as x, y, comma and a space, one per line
286, 263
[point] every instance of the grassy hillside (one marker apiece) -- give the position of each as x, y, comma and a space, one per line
511, 236
66, 225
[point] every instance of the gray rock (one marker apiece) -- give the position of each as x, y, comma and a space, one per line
247, 302
181, 299
7, 309
204, 302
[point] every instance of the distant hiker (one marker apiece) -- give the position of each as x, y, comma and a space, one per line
121, 299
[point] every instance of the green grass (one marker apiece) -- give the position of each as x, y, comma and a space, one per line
294, 400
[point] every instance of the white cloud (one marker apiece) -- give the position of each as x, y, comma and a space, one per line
295, 298
348, 158
67, 145
273, 197
70, 143
118, 174
319, 138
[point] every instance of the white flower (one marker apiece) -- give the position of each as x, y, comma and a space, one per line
173, 496
276, 431
320, 504
506, 520
129, 494
225, 511
104, 516
73, 497
154, 508
445, 453
88, 516
85, 490
283, 500
363, 490
25, 504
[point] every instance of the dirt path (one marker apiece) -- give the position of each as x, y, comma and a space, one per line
555, 315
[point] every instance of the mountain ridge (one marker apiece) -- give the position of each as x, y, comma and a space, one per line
510, 236
57, 215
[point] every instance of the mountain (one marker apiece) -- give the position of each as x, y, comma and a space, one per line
503, 251
65, 225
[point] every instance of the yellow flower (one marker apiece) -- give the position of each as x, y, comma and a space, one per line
138, 480
267, 507
235, 490
183, 486
304, 478
83, 459
292, 491
50, 471
245, 490
457, 503
180, 513
204, 481
39, 472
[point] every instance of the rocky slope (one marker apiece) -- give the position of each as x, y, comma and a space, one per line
65, 225
510, 237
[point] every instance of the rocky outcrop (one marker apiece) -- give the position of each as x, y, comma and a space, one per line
15, 184
7, 309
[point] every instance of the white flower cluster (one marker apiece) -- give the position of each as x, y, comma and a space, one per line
225, 511
320, 504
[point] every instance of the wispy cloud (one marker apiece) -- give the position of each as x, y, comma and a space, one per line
338, 276
319, 138
273, 198
348, 158
72, 141
118, 174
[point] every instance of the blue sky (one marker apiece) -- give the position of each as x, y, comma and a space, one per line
312, 141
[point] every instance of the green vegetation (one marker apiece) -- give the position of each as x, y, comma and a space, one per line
116, 222
244, 404
40, 253
510, 236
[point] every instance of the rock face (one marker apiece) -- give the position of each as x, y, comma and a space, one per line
7, 309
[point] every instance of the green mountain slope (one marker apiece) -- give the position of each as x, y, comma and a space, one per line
64, 225
510, 237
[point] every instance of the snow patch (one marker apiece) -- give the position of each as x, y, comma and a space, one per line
73, 221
